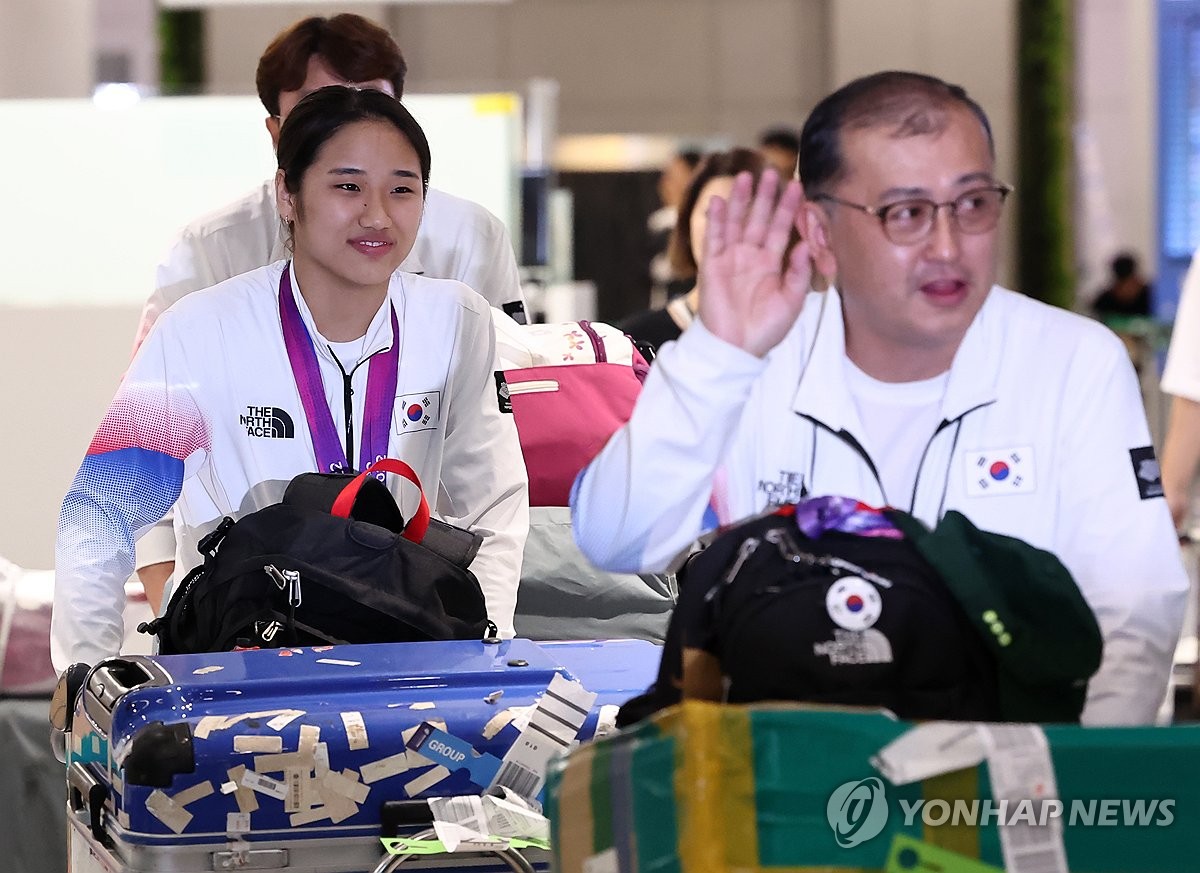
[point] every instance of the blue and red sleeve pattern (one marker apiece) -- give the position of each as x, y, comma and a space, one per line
131, 475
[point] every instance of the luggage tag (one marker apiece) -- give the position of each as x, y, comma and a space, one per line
552, 728
1022, 773
454, 753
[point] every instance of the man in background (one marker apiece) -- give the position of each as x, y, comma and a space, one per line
780, 147
1127, 295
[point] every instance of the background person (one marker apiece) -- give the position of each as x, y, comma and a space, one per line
780, 148
210, 416
713, 176
665, 281
914, 382
1128, 293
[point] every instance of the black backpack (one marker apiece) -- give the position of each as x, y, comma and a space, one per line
332, 563
762, 598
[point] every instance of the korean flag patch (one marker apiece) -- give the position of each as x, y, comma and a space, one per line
417, 412
1146, 472
1000, 472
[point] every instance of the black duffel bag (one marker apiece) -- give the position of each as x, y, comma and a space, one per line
954, 623
333, 563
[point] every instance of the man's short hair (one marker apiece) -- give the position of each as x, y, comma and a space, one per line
1124, 265
356, 49
913, 104
781, 138
691, 157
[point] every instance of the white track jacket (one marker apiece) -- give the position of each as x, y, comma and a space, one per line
209, 415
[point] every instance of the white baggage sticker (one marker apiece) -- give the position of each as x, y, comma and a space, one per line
264, 785
192, 794
497, 723
426, 780
340, 808
928, 750
168, 811
552, 728
310, 734
385, 767
208, 724
345, 787
237, 823
356, 730
246, 800
255, 743
321, 759
283, 718
317, 813
278, 763
294, 778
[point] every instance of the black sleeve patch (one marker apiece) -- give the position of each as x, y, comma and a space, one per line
505, 400
1146, 472
515, 309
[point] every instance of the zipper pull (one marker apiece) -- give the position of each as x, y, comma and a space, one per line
789, 549
293, 582
275, 576
747, 548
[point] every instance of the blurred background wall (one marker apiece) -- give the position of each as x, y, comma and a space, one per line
665, 72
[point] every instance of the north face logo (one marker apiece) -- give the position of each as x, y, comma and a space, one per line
267, 421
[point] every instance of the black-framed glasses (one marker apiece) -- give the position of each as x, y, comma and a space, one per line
907, 222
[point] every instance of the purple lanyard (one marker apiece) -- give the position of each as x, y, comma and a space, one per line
381, 389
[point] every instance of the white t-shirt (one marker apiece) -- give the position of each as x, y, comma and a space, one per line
898, 419
1181, 376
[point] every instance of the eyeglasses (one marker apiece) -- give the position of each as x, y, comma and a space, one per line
908, 222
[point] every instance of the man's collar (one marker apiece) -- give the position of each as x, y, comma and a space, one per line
824, 394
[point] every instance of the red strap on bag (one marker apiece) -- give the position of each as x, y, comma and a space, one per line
417, 525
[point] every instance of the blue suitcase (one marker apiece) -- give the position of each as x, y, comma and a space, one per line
301, 760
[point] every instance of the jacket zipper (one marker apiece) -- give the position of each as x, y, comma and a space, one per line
348, 402
850, 440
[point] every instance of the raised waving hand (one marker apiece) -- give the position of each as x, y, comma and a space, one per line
751, 288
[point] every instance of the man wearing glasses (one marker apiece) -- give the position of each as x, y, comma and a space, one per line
913, 382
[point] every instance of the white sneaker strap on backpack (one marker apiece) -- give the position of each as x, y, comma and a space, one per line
417, 525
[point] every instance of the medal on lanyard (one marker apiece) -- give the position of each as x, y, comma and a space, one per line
381, 389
